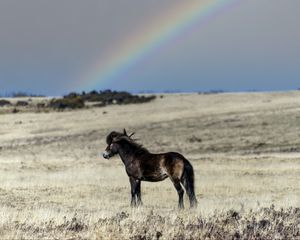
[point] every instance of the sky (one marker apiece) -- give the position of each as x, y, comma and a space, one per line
54, 47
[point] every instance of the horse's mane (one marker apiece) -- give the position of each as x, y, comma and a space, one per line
140, 149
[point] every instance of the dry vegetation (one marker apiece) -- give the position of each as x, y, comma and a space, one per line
245, 149
20, 102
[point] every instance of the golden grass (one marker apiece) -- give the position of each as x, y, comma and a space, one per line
245, 149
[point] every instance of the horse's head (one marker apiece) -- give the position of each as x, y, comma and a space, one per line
113, 143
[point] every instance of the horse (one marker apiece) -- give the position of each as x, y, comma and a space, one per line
141, 165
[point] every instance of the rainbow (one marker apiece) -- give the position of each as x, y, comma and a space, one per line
180, 19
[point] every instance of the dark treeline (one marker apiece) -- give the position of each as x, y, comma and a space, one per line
20, 94
75, 100
98, 98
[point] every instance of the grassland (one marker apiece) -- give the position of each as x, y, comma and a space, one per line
245, 148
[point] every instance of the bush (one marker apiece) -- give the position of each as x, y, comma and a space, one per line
114, 97
65, 103
41, 105
22, 103
75, 100
4, 103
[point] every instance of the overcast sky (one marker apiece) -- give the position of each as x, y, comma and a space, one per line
48, 46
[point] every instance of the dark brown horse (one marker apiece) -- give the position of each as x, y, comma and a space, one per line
141, 165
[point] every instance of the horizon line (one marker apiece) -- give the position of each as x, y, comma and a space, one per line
14, 94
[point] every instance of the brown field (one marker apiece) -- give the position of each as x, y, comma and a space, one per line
245, 149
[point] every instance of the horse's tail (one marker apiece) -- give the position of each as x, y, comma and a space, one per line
188, 181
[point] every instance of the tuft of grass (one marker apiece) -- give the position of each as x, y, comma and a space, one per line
263, 223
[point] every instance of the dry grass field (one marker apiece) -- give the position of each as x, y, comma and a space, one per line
245, 149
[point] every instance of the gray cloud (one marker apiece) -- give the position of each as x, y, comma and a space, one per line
46, 45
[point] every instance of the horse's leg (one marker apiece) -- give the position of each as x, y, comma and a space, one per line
133, 183
180, 192
138, 193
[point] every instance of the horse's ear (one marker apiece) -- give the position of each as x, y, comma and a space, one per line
124, 132
131, 134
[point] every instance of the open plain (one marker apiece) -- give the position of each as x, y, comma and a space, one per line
245, 149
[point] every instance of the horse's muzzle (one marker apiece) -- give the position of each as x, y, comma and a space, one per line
106, 155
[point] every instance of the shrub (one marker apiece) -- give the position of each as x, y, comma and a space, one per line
15, 110
108, 97
65, 103
4, 102
75, 100
22, 103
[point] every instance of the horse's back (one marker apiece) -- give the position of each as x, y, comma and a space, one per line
173, 157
